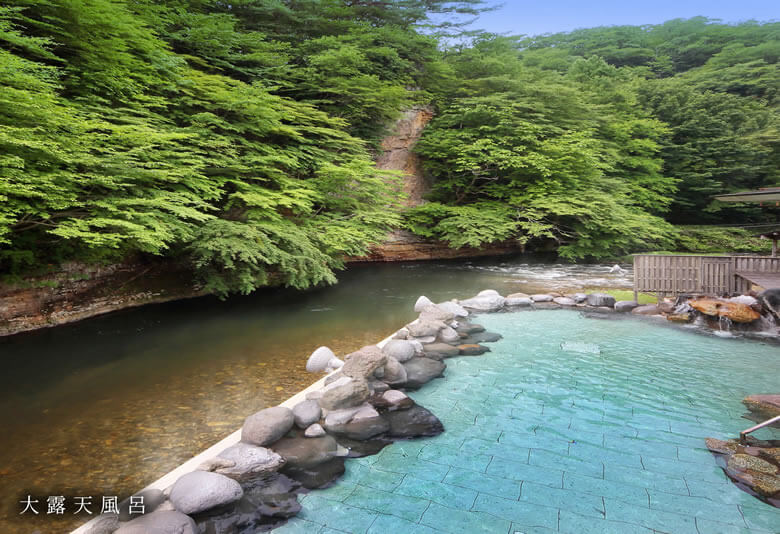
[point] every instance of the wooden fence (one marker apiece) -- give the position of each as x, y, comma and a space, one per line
702, 275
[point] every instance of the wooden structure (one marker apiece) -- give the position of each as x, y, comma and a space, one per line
704, 275
774, 236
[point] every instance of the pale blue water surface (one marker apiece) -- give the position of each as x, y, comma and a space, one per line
546, 434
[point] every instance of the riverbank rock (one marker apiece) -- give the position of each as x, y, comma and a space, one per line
364, 423
600, 299
306, 413
679, 317
625, 306
487, 301
739, 313
485, 337
362, 363
472, 349
579, 298
542, 297
267, 426
344, 393
400, 349
201, 490
397, 399
162, 522
414, 422
647, 309
306, 452
420, 371
519, 296
454, 308
249, 461
767, 406
564, 301
448, 335
517, 302
439, 351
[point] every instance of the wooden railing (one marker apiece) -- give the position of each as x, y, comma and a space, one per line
702, 275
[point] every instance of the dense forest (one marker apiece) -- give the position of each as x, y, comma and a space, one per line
238, 138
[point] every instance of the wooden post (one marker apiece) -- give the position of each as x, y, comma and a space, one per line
774, 247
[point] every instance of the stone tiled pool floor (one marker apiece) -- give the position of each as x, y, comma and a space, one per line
540, 439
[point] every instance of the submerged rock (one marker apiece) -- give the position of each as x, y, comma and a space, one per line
420, 371
470, 328
306, 413
747, 462
414, 422
600, 299
739, 313
267, 426
162, 522
317, 476
439, 351
767, 406
201, 490
249, 461
485, 337
472, 349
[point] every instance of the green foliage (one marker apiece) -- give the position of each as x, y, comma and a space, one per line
713, 239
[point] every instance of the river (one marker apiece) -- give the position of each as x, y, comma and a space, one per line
105, 406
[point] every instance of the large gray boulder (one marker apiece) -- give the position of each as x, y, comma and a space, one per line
413, 422
161, 522
487, 301
306, 413
102, 524
542, 297
307, 452
364, 424
771, 299
267, 426
344, 393
249, 461
600, 300
421, 303
420, 371
435, 313
448, 335
579, 298
395, 373
201, 490
362, 363
454, 308
425, 328
564, 301
625, 306
400, 349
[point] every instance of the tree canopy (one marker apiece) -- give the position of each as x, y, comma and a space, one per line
239, 137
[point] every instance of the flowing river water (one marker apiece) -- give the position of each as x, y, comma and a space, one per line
106, 406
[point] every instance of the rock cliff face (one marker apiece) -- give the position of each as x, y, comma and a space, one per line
397, 153
79, 291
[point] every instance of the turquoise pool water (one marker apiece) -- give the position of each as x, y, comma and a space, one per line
571, 424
